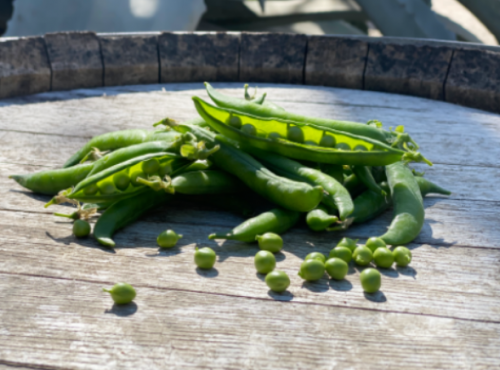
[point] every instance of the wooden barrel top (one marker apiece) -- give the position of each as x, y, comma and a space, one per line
440, 312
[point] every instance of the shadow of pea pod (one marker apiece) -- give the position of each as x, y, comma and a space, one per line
377, 297
123, 310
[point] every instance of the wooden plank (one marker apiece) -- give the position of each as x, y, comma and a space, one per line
74, 325
446, 282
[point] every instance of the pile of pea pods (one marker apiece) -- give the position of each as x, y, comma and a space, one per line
331, 174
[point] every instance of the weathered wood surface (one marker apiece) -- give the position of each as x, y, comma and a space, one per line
442, 312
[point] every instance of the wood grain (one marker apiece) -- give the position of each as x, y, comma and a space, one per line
442, 312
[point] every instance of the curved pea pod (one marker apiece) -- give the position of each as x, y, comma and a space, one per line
276, 220
354, 185
120, 139
51, 182
289, 194
394, 138
408, 205
364, 174
335, 196
333, 170
370, 204
318, 219
300, 140
100, 187
124, 212
428, 187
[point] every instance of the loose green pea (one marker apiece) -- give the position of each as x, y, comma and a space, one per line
374, 243
168, 239
295, 133
264, 262
270, 242
343, 253
402, 256
362, 255
122, 293
383, 258
337, 268
277, 281
274, 136
204, 257
349, 243
107, 187
316, 255
360, 148
312, 269
81, 228
135, 174
234, 122
121, 180
343, 146
371, 280
249, 129
327, 141
151, 166
91, 189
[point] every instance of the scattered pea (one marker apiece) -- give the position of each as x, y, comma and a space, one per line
168, 239
312, 269
121, 180
294, 133
362, 255
343, 253
337, 268
349, 243
249, 129
81, 228
234, 122
264, 262
122, 293
316, 255
402, 256
204, 257
371, 280
270, 242
277, 281
383, 258
373, 243
327, 141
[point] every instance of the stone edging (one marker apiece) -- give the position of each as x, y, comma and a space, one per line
462, 73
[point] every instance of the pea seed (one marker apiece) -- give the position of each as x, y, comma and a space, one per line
121, 180
337, 268
316, 255
402, 256
310, 142
151, 166
249, 129
81, 228
135, 175
347, 242
270, 242
343, 146
107, 187
91, 189
360, 148
204, 258
122, 293
371, 280
165, 169
383, 258
312, 270
294, 133
264, 262
168, 239
277, 281
373, 243
234, 122
362, 255
327, 141
274, 136
343, 253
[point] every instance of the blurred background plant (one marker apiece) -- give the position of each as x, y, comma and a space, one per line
464, 20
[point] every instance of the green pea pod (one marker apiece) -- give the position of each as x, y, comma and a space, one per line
427, 187
124, 212
276, 220
334, 170
132, 151
335, 196
120, 139
393, 138
318, 219
408, 205
206, 182
365, 175
51, 182
293, 195
370, 204
303, 140
354, 185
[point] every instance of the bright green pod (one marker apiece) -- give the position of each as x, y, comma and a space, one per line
318, 219
206, 182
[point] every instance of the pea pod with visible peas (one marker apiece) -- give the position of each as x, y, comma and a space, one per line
301, 140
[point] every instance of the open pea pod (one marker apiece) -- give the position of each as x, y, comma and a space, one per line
300, 140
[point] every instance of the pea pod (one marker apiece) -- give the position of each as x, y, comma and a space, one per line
51, 182
124, 212
293, 195
365, 175
121, 139
300, 140
370, 204
427, 187
276, 220
333, 170
336, 196
318, 219
394, 138
408, 205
